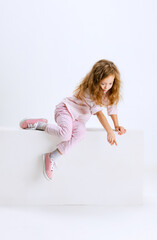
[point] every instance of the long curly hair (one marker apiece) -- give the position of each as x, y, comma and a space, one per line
100, 70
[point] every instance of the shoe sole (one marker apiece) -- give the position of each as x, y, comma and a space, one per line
27, 119
44, 170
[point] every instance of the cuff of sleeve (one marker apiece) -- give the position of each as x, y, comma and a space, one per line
96, 110
112, 110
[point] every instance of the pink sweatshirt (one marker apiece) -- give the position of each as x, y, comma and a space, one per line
82, 111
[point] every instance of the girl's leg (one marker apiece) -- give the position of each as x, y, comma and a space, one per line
68, 130
78, 133
63, 130
64, 121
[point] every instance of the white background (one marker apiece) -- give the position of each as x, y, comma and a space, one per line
47, 47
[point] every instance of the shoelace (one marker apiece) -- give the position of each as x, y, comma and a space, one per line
32, 126
53, 165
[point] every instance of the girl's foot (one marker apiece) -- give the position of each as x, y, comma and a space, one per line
48, 167
35, 124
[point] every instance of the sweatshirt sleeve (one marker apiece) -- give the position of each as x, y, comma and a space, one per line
112, 109
95, 108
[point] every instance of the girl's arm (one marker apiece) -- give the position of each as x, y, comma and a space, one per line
110, 134
118, 128
103, 121
115, 120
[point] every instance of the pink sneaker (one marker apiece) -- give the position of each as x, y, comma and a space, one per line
49, 165
31, 123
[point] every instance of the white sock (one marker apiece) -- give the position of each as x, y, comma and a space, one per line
55, 154
41, 126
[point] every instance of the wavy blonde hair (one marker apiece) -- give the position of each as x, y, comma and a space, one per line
100, 70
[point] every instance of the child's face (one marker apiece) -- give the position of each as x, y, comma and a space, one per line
107, 83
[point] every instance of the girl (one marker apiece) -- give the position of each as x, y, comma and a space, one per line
100, 87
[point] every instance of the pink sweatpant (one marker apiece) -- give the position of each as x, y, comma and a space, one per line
68, 130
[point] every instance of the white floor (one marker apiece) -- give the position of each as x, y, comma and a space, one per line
84, 222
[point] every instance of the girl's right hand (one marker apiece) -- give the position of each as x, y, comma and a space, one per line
111, 138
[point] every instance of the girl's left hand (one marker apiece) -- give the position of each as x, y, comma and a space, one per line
121, 130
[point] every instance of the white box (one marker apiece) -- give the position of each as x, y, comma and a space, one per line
92, 172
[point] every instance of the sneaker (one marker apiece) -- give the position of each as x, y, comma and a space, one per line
48, 167
31, 123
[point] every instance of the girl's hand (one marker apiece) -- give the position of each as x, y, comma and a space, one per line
111, 138
121, 130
